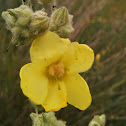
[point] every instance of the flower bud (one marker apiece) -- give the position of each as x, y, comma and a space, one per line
102, 119
61, 22
60, 16
46, 119
25, 24
10, 20
37, 119
23, 10
39, 23
98, 121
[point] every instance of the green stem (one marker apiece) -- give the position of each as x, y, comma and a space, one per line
53, 6
36, 110
27, 2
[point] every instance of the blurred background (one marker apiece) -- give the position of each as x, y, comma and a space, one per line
101, 24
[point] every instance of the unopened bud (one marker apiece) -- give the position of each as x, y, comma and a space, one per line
39, 23
37, 119
23, 10
46, 119
10, 20
102, 119
61, 22
25, 24
60, 16
98, 121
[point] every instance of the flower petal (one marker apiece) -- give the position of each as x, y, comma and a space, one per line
47, 48
56, 98
78, 57
34, 83
66, 41
78, 93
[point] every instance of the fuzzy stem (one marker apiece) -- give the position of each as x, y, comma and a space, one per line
53, 6
23, 1
36, 110
27, 2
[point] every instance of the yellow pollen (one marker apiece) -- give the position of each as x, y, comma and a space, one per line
56, 69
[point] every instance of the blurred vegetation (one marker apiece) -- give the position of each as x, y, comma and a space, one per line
101, 24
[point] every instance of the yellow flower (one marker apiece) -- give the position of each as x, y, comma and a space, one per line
98, 56
52, 79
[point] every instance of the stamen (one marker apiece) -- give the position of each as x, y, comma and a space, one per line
56, 70
58, 84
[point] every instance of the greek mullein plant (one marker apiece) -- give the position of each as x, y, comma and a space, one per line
51, 80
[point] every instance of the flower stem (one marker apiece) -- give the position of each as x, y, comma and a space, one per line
23, 1
36, 110
53, 6
27, 2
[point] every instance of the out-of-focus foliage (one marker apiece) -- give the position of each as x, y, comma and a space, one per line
99, 23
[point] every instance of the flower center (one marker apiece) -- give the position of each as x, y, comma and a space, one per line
56, 70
